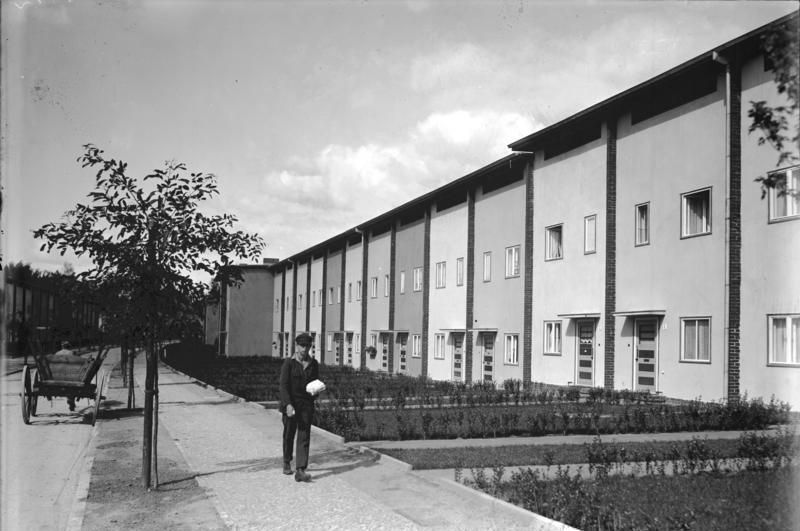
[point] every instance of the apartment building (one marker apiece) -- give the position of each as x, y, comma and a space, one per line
626, 246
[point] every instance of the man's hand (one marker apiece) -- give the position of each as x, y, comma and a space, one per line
289, 411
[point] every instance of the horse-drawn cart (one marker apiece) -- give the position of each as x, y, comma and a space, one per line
69, 376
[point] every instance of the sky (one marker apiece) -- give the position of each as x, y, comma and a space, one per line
314, 116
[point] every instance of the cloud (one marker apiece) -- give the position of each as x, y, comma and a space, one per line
340, 186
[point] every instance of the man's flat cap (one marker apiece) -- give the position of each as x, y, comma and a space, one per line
303, 339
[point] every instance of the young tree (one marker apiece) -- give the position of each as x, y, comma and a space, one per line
778, 125
149, 236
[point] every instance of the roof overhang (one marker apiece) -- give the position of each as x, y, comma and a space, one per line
641, 313
580, 315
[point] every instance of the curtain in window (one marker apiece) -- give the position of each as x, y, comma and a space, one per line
703, 340
554, 243
697, 213
641, 225
779, 339
690, 340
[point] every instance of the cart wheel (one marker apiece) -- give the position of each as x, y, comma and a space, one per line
34, 397
98, 396
25, 395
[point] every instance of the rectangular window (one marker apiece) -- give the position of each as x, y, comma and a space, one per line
416, 346
487, 266
329, 342
553, 246
358, 290
330, 295
402, 282
321, 299
373, 340
512, 349
386, 285
512, 261
349, 292
590, 234
643, 224
417, 279
373, 287
784, 339
277, 305
300, 302
357, 343
459, 271
552, 337
338, 294
440, 274
784, 197
696, 339
696, 217
438, 347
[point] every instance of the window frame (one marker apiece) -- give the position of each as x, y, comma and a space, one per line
338, 294
416, 345
791, 341
636, 228
487, 266
548, 257
773, 195
438, 346
300, 301
683, 358
460, 271
684, 213
441, 274
511, 358
513, 251
418, 280
373, 287
402, 282
386, 285
329, 342
586, 249
549, 347
358, 290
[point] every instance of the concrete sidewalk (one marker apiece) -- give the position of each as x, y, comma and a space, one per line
234, 450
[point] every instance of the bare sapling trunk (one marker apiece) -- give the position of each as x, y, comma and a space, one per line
155, 420
131, 394
149, 392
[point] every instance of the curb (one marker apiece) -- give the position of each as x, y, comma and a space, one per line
387, 458
76, 515
538, 522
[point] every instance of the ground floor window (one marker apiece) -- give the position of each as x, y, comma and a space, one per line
696, 339
329, 345
416, 346
552, 337
784, 339
512, 349
438, 347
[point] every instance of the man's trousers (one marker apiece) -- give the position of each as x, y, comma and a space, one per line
299, 424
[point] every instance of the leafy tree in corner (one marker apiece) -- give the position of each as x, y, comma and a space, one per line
781, 47
146, 237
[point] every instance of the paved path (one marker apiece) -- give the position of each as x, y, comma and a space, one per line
234, 448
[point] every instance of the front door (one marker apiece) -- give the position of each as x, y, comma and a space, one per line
349, 348
385, 351
338, 341
645, 361
585, 353
402, 342
487, 347
458, 356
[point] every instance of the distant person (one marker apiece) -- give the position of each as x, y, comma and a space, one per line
297, 405
66, 351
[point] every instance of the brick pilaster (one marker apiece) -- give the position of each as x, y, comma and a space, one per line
527, 337
426, 269
294, 304
470, 317
323, 340
308, 293
392, 268
283, 311
734, 230
342, 304
611, 252
364, 265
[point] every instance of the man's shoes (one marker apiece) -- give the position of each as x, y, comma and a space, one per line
287, 468
301, 475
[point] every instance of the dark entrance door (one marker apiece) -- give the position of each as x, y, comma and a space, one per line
585, 353
645, 357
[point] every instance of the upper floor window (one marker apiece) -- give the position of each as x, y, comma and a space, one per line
386, 285
358, 290
459, 271
440, 274
417, 279
300, 302
330, 295
487, 266
277, 305
402, 282
552, 337
696, 213
512, 261
642, 224
373, 287
590, 234
553, 245
784, 197
784, 339
338, 294
349, 292
696, 339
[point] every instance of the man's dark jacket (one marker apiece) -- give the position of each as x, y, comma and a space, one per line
293, 381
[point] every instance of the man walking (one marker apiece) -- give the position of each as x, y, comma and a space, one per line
297, 405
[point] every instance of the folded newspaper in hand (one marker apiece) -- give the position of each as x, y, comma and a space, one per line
315, 387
